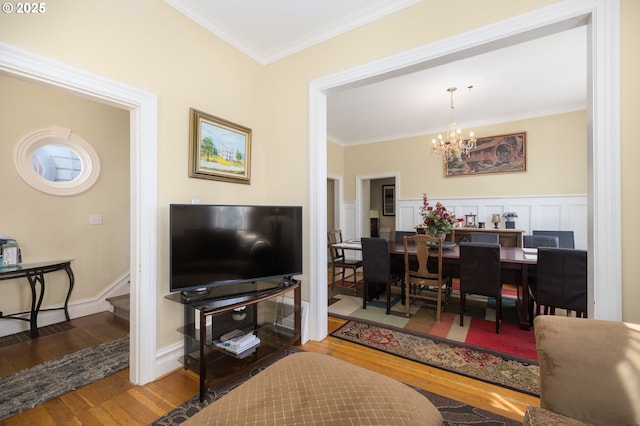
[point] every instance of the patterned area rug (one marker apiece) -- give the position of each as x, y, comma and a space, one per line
517, 374
455, 413
27, 388
479, 320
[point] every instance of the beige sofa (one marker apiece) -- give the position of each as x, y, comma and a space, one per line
315, 389
589, 372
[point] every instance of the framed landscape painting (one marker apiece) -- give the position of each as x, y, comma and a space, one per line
494, 154
219, 149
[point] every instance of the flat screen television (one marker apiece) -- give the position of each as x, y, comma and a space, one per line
229, 245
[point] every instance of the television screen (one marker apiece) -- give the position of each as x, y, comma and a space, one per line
215, 245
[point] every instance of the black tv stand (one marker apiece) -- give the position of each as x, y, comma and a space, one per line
207, 317
193, 295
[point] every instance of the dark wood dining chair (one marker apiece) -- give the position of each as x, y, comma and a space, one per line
480, 274
338, 260
484, 237
565, 238
424, 278
561, 281
377, 272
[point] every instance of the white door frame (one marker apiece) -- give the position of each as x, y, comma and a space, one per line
143, 142
602, 17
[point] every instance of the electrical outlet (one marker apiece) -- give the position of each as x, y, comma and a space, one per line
95, 219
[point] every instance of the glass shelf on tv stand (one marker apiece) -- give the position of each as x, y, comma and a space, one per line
220, 363
275, 322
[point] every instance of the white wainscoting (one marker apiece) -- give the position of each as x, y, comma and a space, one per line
549, 212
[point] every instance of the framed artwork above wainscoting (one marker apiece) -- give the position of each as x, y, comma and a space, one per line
493, 154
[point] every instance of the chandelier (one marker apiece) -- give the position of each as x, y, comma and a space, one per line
454, 145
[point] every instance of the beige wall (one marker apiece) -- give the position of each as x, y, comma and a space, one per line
50, 227
335, 159
556, 151
148, 45
630, 152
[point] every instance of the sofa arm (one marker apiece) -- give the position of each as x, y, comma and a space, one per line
536, 416
589, 369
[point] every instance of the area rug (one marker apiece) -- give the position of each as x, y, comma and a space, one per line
490, 367
455, 413
25, 336
27, 388
479, 320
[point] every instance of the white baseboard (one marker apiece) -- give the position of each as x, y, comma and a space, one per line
77, 308
168, 359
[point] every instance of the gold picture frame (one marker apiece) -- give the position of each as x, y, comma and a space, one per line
493, 154
218, 149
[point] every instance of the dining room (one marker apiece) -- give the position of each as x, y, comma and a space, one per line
548, 192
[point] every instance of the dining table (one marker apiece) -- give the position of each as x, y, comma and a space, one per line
514, 261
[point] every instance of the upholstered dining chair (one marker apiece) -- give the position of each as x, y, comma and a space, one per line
480, 274
484, 237
425, 280
561, 281
337, 260
401, 234
536, 241
565, 238
376, 270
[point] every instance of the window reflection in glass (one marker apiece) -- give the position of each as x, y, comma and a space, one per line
56, 163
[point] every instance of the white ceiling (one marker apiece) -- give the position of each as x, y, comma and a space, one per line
544, 76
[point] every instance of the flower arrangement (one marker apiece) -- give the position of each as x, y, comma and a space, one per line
509, 215
436, 219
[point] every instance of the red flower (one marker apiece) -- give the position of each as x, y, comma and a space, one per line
436, 219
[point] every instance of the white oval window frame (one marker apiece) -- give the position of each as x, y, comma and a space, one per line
23, 154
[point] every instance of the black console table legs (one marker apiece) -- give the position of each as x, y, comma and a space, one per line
35, 275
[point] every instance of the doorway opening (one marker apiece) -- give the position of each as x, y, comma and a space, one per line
603, 138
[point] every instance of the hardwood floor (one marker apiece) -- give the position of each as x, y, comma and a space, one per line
115, 401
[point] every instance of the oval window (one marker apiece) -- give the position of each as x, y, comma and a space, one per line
57, 161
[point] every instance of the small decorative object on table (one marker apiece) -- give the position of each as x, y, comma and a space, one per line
9, 252
470, 220
510, 217
495, 219
436, 220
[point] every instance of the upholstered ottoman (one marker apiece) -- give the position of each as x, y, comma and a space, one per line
314, 389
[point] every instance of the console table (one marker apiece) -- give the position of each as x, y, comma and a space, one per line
506, 237
34, 272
